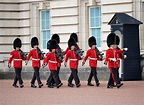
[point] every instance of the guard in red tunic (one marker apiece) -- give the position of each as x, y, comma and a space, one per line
73, 63
78, 51
120, 56
51, 60
17, 56
73, 35
59, 55
36, 55
93, 57
113, 61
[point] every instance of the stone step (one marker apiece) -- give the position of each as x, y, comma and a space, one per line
27, 73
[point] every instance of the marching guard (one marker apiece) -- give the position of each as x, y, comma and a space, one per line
17, 56
78, 51
120, 56
59, 55
74, 36
112, 60
93, 57
36, 55
52, 62
73, 63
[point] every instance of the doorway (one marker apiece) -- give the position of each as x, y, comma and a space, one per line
119, 34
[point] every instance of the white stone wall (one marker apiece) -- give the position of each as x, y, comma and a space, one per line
14, 22
109, 8
142, 28
139, 14
21, 18
64, 19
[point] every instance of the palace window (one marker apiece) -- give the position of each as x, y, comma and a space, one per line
95, 24
45, 28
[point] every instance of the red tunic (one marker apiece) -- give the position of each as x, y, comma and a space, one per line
17, 57
119, 56
113, 53
65, 52
35, 58
91, 53
51, 60
73, 59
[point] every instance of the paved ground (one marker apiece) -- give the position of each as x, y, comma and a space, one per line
132, 93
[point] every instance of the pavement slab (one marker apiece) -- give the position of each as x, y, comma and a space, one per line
131, 93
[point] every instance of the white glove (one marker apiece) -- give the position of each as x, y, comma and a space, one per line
26, 62
43, 65
65, 64
113, 59
125, 49
125, 56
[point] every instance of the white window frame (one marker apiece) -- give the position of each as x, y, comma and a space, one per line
94, 27
41, 35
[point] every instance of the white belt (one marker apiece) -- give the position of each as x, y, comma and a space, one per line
118, 58
73, 59
17, 59
52, 61
93, 58
35, 59
112, 58
115, 58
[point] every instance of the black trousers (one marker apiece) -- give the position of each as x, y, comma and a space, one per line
53, 75
36, 75
18, 76
118, 76
93, 73
114, 76
50, 80
74, 75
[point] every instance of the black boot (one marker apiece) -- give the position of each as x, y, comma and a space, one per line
119, 85
33, 86
14, 85
70, 84
40, 85
97, 84
110, 87
90, 84
50, 86
113, 85
59, 85
21, 86
78, 85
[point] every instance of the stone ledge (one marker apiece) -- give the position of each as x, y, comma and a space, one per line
27, 73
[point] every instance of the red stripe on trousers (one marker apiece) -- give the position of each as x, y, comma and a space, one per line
112, 75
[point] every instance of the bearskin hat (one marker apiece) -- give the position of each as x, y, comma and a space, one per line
56, 37
52, 45
48, 44
92, 41
117, 40
34, 41
111, 39
17, 43
71, 42
74, 35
